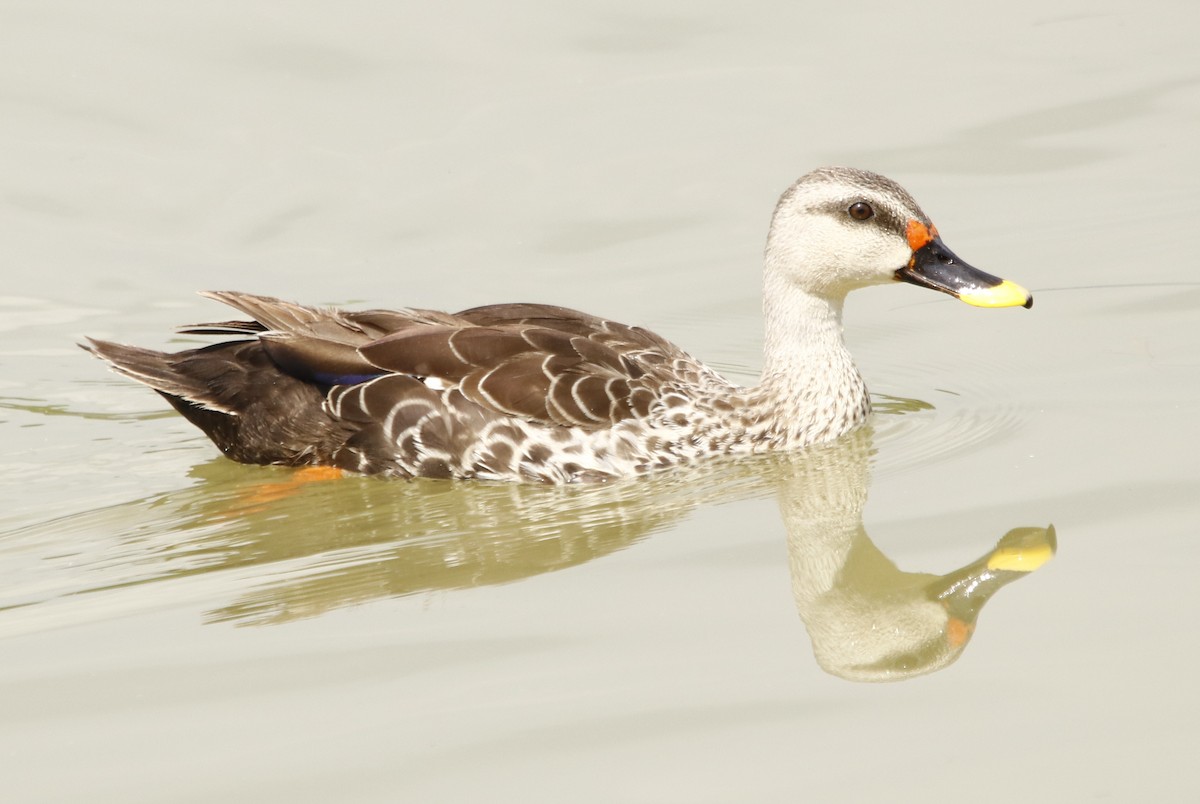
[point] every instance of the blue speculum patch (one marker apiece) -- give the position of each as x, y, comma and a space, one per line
323, 378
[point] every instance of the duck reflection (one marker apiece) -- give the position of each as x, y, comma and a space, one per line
867, 619
387, 538
302, 548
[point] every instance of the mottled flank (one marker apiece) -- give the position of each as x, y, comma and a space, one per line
535, 392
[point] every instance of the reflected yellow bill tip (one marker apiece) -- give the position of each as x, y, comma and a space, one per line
1006, 294
1020, 559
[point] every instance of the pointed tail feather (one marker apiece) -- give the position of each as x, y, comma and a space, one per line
223, 328
159, 370
241, 400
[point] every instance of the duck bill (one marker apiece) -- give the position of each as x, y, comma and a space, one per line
936, 267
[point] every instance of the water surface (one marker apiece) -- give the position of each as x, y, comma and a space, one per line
179, 628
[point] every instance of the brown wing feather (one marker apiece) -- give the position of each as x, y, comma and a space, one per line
448, 353
538, 362
546, 315
357, 328
315, 359
518, 387
620, 337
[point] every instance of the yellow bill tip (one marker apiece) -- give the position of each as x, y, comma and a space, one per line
1020, 559
1006, 294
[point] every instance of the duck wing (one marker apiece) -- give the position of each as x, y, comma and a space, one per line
542, 363
314, 344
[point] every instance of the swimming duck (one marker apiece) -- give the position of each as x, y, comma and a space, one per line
534, 392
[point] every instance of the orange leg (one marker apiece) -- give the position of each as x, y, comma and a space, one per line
263, 494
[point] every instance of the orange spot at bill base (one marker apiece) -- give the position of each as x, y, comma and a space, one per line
919, 234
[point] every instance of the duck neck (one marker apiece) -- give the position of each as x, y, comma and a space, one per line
809, 378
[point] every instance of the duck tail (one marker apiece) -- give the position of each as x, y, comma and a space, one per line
162, 371
233, 392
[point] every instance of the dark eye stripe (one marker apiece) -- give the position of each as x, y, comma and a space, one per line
883, 216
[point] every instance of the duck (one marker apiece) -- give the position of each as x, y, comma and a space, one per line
531, 392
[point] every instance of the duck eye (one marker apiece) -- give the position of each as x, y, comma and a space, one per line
860, 210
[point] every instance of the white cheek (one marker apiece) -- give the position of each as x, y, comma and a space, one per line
820, 253
881, 255
894, 257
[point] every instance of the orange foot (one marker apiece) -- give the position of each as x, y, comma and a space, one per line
261, 495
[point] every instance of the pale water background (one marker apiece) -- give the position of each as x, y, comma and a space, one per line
172, 632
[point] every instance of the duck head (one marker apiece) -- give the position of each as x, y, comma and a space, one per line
838, 229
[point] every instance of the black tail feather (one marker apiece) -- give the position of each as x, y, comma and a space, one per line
223, 328
252, 411
159, 370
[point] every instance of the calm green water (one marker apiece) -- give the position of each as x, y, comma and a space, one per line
175, 627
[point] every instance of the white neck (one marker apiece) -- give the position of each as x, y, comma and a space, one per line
809, 376
800, 326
